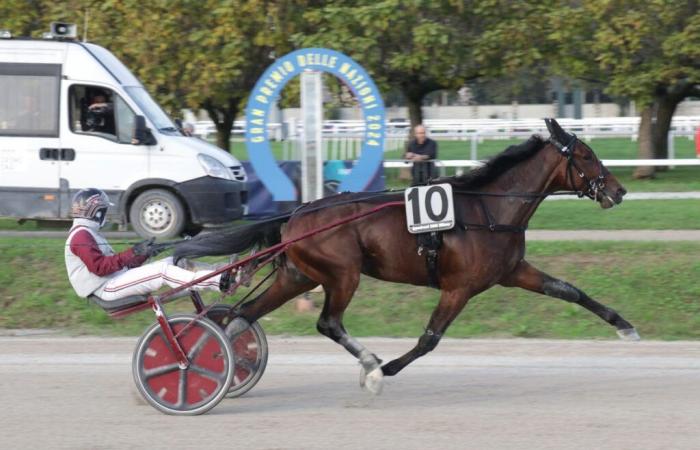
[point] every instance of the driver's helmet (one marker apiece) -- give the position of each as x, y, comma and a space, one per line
91, 204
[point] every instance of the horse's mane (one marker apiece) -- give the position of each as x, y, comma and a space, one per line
496, 165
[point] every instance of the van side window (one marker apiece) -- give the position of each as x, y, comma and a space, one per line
125, 120
29, 99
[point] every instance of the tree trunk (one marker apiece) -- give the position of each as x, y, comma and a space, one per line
415, 110
223, 132
665, 107
646, 142
223, 121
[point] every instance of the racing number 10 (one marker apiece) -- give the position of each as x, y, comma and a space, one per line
428, 199
419, 203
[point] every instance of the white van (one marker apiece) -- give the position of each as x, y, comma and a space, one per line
73, 116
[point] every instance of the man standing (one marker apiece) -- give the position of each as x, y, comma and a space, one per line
422, 151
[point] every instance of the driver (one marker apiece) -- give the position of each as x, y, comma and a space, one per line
100, 114
94, 268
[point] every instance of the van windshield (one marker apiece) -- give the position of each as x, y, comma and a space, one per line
151, 109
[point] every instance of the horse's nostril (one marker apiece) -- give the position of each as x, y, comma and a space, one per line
621, 192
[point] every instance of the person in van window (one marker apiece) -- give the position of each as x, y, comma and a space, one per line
188, 129
95, 269
100, 115
422, 151
28, 117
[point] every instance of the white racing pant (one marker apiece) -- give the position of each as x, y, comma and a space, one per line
151, 277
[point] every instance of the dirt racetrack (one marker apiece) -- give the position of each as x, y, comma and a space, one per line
77, 393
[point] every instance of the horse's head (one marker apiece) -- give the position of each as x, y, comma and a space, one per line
581, 170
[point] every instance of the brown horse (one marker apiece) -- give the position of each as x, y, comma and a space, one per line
493, 205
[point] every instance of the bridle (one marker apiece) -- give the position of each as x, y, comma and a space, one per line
593, 185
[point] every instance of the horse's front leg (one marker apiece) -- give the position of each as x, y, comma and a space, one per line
527, 277
451, 304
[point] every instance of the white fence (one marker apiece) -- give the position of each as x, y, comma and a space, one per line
342, 139
397, 163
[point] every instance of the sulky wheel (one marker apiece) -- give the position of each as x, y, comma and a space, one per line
249, 349
191, 391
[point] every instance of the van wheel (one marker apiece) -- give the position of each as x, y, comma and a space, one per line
157, 213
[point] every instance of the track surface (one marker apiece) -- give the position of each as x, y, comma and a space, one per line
77, 393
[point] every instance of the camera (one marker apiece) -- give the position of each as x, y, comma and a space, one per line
95, 118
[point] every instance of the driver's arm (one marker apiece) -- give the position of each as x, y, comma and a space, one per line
83, 245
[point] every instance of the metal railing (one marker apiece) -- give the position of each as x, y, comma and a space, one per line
399, 163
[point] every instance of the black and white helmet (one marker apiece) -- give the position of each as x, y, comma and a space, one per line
91, 204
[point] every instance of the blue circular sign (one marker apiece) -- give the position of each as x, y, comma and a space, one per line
266, 93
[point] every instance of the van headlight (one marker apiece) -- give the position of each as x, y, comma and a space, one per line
213, 167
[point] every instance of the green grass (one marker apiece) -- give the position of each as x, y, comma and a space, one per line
680, 179
654, 285
583, 214
606, 148
579, 214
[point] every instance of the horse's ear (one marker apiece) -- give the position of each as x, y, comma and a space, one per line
556, 131
550, 125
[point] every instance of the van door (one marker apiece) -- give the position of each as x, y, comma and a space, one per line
100, 128
30, 148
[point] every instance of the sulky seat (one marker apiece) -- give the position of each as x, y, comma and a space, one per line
119, 304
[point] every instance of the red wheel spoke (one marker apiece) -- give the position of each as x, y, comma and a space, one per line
162, 370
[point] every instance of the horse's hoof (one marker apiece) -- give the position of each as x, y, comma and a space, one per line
373, 381
628, 334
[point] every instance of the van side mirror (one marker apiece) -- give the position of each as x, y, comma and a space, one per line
142, 134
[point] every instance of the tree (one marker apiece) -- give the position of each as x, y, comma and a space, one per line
396, 42
421, 46
203, 54
188, 53
649, 52
22, 17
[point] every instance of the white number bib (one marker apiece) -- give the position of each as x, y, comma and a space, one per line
429, 208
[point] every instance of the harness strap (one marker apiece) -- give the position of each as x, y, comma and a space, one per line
496, 228
489, 217
430, 243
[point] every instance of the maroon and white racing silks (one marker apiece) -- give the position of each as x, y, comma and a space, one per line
84, 246
95, 268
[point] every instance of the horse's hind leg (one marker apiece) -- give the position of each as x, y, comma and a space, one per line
528, 277
451, 303
288, 284
330, 324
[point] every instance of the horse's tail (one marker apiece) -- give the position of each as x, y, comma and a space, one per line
232, 240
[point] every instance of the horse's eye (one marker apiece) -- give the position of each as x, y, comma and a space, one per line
587, 157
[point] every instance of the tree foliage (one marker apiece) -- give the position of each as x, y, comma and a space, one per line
420, 46
208, 54
199, 54
416, 46
649, 52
